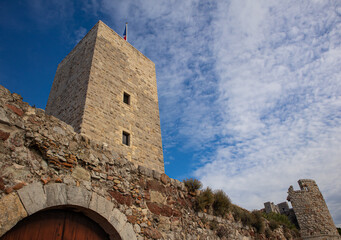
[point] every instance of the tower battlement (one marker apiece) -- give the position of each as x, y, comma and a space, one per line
106, 89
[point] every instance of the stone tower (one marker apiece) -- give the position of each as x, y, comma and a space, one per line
312, 212
106, 90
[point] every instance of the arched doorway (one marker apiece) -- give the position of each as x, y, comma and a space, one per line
56, 224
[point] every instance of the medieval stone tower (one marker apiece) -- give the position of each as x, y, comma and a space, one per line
106, 90
312, 212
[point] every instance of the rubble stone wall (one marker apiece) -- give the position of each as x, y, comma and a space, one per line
311, 211
45, 164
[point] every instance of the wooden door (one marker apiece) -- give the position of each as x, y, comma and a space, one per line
56, 225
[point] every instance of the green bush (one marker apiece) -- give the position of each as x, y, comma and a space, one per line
236, 212
257, 221
221, 204
280, 219
273, 224
192, 184
205, 199
339, 230
241, 214
253, 219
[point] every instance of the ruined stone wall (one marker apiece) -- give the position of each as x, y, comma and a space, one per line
270, 207
111, 68
45, 164
312, 212
283, 207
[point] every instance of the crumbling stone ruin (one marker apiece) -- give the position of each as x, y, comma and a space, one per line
312, 213
270, 207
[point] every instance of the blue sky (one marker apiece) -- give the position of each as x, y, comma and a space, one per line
249, 91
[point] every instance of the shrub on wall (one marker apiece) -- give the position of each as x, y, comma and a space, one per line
273, 224
253, 219
192, 184
221, 204
205, 200
257, 221
242, 215
280, 219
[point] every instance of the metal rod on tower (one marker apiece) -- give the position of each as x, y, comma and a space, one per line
127, 31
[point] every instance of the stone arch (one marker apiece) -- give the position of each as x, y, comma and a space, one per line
56, 224
36, 197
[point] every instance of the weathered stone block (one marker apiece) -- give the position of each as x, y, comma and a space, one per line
156, 175
160, 209
17, 173
128, 233
165, 179
101, 205
3, 117
11, 211
121, 199
145, 171
152, 233
33, 197
117, 219
55, 194
164, 223
157, 197
132, 219
16, 110
81, 174
156, 186
59, 130
78, 196
4, 135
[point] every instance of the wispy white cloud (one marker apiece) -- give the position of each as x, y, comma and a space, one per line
279, 85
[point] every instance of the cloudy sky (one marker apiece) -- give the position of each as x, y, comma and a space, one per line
249, 91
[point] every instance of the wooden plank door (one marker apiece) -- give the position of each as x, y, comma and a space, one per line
56, 225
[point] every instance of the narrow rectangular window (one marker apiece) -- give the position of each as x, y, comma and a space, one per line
126, 138
126, 98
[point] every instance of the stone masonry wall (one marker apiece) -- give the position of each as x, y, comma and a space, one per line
312, 212
69, 89
45, 164
115, 68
